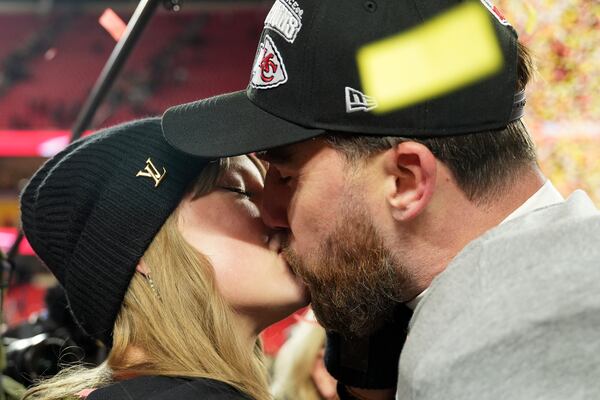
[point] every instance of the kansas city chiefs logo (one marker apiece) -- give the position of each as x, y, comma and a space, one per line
269, 70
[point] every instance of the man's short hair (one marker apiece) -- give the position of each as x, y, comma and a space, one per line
484, 163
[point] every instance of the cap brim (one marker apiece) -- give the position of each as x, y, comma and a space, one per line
228, 125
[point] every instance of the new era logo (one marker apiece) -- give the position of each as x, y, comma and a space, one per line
269, 70
358, 101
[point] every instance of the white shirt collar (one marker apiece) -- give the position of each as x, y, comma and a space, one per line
545, 196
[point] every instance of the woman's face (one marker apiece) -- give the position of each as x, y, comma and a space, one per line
225, 225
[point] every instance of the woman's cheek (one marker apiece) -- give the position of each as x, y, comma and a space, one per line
240, 272
247, 228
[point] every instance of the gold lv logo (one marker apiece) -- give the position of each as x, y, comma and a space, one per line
151, 172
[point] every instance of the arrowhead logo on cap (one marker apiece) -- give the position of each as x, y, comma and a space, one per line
269, 70
495, 12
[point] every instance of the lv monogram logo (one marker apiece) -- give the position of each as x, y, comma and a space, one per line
151, 172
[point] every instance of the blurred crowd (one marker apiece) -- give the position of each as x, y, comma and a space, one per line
563, 108
564, 37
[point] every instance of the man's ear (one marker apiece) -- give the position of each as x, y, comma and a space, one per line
411, 169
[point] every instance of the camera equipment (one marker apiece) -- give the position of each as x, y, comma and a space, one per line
32, 358
41, 347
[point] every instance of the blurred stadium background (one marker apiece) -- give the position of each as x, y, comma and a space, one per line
51, 53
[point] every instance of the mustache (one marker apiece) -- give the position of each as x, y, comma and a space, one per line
292, 259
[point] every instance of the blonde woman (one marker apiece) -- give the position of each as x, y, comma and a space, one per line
164, 259
299, 371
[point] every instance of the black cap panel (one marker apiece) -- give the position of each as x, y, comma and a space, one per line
321, 90
229, 125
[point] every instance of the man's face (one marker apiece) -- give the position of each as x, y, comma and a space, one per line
316, 194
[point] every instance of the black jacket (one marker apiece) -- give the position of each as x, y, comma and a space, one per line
166, 388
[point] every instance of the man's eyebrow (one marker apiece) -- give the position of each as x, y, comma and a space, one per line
278, 155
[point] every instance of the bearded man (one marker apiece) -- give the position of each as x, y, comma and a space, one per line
438, 208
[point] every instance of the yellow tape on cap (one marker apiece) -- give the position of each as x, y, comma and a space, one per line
450, 51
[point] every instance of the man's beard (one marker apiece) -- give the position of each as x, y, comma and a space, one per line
354, 281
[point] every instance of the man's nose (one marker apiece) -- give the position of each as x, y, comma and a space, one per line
275, 201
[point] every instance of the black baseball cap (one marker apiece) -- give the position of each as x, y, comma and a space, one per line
305, 82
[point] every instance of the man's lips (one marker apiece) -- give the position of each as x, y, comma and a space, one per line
280, 241
276, 242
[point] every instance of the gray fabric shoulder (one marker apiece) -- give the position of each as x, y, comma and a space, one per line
515, 315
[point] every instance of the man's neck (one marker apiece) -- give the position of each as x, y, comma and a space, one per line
454, 221
516, 196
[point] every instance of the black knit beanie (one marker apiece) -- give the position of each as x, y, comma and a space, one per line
91, 211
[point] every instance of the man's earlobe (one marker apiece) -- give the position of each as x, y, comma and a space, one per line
413, 169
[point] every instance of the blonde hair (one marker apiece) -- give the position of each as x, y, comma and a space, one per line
295, 361
178, 326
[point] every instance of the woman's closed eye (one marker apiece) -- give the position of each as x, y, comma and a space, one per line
237, 190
